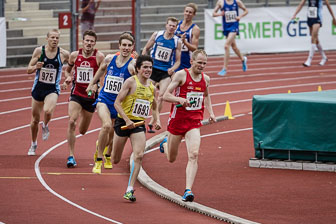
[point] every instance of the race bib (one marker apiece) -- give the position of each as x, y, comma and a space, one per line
84, 75
113, 84
184, 48
312, 12
48, 75
198, 98
163, 53
141, 108
230, 16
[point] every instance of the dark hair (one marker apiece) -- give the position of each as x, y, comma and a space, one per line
140, 61
90, 33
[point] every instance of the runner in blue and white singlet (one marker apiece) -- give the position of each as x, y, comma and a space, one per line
116, 68
166, 54
228, 10
229, 19
314, 21
189, 34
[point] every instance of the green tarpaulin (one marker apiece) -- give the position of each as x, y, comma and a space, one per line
296, 121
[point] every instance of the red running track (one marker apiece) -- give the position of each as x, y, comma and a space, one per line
224, 180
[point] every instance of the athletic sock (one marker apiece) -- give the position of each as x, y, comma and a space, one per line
34, 143
319, 47
129, 188
99, 159
311, 54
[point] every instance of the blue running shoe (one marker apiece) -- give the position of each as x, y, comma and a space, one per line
161, 144
71, 162
188, 196
222, 72
244, 62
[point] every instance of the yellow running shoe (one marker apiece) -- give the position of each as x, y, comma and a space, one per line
107, 162
97, 167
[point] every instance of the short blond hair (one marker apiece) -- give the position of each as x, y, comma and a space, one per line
193, 6
173, 19
53, 31
197, 52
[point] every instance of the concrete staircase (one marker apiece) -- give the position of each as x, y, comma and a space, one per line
27, 29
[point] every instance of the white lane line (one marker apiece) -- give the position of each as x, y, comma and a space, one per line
25, 97
15, 82
26, 108
15, 90
273, 87
28, 125
46, 186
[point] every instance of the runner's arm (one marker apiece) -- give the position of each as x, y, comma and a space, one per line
298, 9
68, 70
331, 12
177, 59
34, 63
218, 6
242, 6
126, 89
149, 44
193, 45
207, 100
178, 80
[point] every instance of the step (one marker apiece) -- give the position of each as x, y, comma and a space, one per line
41, 30
55, 5
11, 7
18, 60
164, 9
115, 3
14, 41
121, 27
29, 14
172, 2
14, 33
160, 25
111, 19
51, 22
146, 18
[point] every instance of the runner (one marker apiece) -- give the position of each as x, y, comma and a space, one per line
189, 34
85, 62
166, 48
47, 62
315, 23
133, 104
189, 85
116, 68
230, 14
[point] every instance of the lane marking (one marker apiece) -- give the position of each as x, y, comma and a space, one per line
106, 174
26, 108
25, 97
18, 178
46, 186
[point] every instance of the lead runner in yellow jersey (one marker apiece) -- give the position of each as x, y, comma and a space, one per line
133, 104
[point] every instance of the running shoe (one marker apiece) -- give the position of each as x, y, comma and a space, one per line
129, 195
31, 151
97, 167
150, 129
161, 144
323, 61
244, 63
222, 72
71, 162
307, 63
107, 162
45, 133
188, 196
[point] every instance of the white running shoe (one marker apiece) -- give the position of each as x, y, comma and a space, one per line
32, 150
307, 63
45, 133
323, 61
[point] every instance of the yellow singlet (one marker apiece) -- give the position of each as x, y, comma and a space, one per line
138, 104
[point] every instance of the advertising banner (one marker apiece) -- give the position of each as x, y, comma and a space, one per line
3, 45
269, 30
